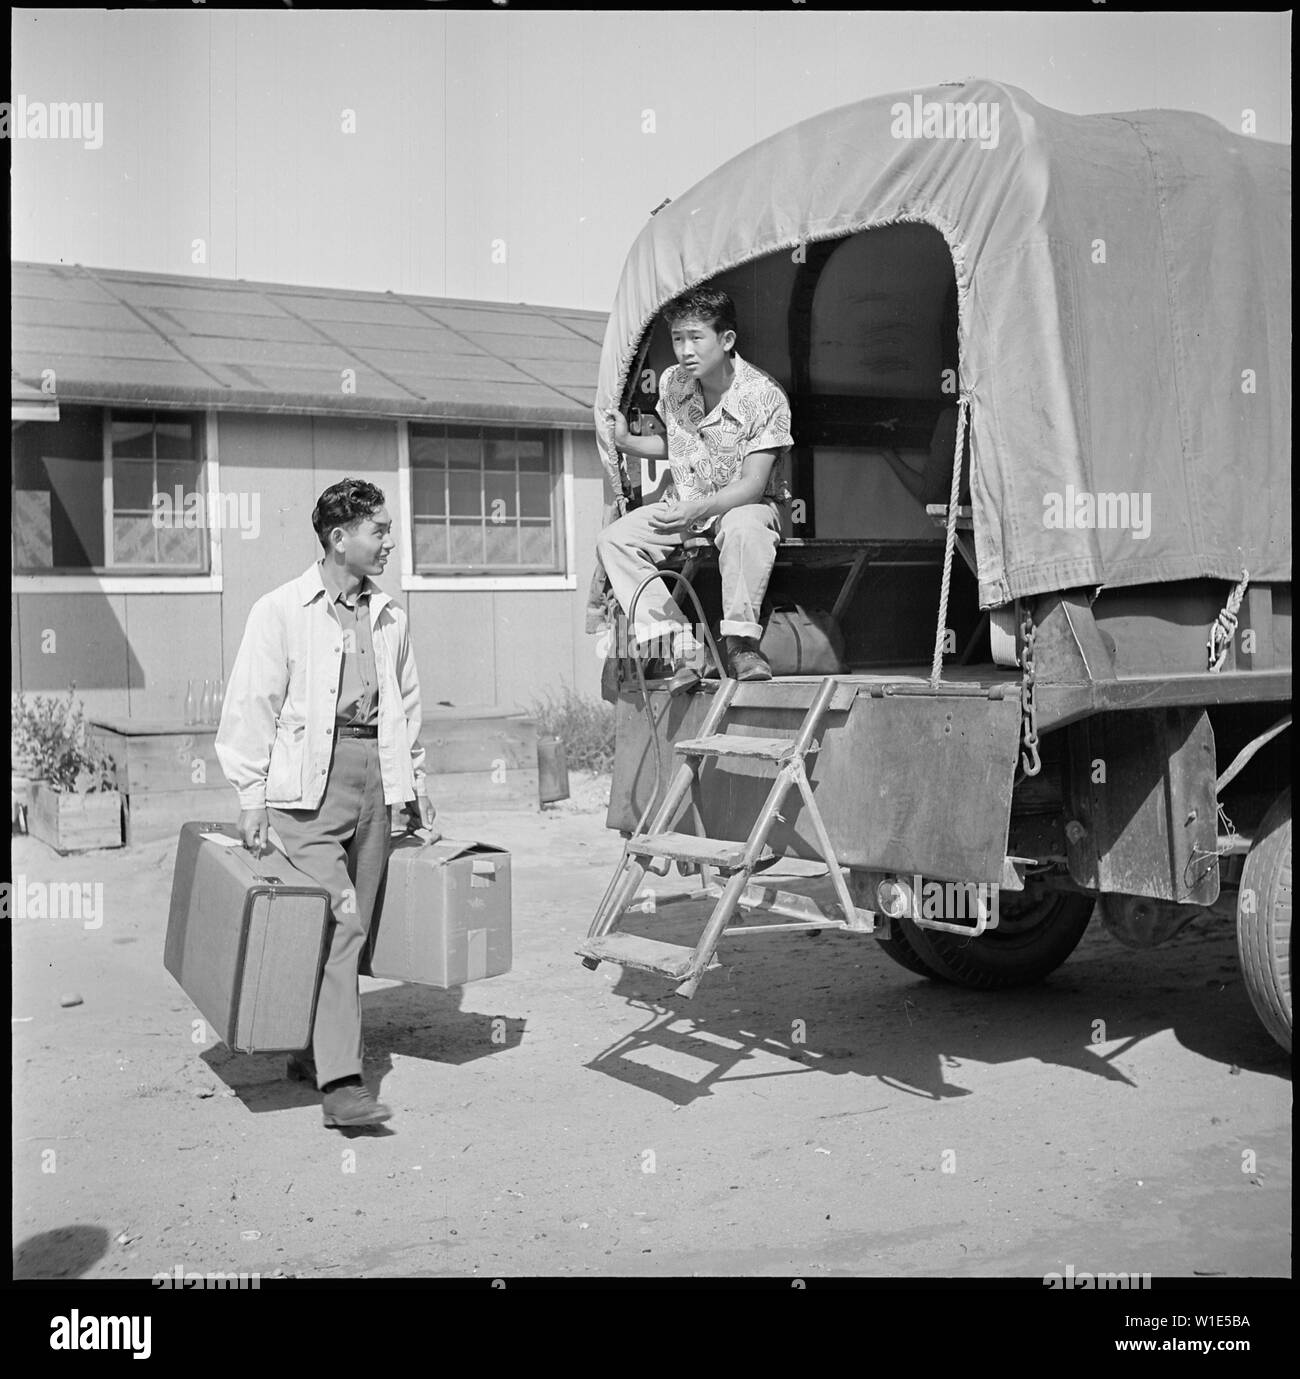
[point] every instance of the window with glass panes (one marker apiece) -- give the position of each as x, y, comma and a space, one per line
156, 454
486, 500
60, 494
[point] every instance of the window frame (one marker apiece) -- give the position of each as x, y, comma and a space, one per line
105, 580
445, 581
111, 505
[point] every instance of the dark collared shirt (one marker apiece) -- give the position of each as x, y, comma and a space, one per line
358, 701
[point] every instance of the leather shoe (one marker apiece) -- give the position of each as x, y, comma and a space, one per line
684, 677
353, 1105
302, 1068
681, 675
745, 661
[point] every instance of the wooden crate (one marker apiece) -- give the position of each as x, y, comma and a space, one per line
160, 815
480, 759
168, 773
155, 755
69, 822
475, 759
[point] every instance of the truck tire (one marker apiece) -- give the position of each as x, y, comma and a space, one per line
1035, 935
1264, 921
899, 947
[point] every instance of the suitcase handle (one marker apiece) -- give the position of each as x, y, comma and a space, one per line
270, 843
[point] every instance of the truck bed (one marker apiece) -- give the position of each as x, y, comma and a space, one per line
1058, 704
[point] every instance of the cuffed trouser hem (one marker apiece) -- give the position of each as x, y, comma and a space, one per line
746, 537
675, 638
731, 628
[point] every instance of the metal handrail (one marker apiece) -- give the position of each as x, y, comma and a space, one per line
703, 624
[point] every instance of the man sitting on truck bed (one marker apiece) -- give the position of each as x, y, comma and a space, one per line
727, 422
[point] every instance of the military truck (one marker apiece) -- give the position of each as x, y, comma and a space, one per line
1039, 374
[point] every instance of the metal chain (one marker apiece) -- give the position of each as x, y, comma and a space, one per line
1029, 759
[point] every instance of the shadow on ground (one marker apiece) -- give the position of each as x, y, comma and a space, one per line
68, 1252
410, 1020
835, 1002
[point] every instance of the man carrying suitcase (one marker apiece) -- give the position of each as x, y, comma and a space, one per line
319, 735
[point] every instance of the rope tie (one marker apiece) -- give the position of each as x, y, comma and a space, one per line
1224, 627
950, 539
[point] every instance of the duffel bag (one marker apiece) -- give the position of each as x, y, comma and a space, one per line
803, 641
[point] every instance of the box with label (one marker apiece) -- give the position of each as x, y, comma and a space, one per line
442, 917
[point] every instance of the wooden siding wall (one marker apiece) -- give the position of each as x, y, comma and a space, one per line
131, 654
508, 647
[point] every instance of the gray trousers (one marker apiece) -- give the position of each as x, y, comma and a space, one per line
746, 538
343, 845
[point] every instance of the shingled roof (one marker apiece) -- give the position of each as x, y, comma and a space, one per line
161, 340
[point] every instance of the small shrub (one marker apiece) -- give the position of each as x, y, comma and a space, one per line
585, 726
49, 745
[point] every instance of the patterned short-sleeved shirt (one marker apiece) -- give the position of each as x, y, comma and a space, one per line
705, 452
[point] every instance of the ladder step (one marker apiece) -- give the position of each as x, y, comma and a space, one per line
646, 954
688, 847
735, 745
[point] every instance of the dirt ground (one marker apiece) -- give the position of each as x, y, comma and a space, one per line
915, 1130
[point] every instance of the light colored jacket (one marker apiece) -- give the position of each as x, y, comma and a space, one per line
277, 722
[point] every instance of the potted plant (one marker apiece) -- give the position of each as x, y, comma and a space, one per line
22, 765
74, 804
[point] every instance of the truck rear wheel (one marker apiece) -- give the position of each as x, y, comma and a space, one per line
1037, 931
899, 947
1264, 921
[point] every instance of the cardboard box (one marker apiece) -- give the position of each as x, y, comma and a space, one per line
442, 917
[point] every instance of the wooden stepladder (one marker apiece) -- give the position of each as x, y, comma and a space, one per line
658, 846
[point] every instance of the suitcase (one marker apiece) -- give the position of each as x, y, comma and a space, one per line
246, 940
442, 917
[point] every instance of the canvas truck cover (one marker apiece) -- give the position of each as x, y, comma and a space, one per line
1124, 310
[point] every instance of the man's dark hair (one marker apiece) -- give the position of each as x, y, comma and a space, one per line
344, 504
706, 304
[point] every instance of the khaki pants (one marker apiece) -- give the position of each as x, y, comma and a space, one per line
746, 538
343, 845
